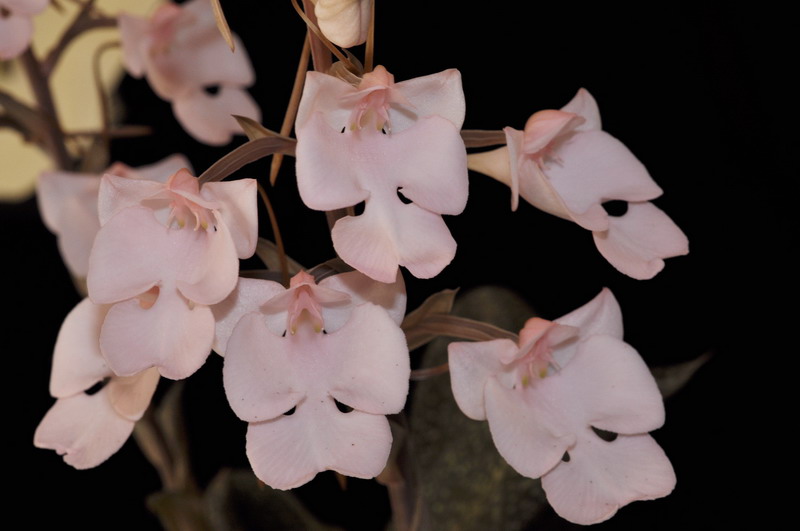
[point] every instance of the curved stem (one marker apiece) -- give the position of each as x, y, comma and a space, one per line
369, 52
273, 221
85, 20
54, 136
322, 38
291, 108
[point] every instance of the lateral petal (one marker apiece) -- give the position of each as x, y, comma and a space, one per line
248, 296
239, 211
290, 450
130, 396
84, 429
601, 477
169, 335
637, 242
471, 366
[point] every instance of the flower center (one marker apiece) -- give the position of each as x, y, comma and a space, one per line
302, 303
187, 205
537, 341
375, 94
163, 25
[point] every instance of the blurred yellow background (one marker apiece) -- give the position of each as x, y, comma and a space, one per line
72, 85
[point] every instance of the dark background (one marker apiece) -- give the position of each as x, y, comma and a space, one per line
698, 93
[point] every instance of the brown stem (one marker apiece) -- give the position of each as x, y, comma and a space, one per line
153, 446
462, 328
423, 374
125, 131
369, 52
54, 136
273, 221
85, 20
291, 108
481, 138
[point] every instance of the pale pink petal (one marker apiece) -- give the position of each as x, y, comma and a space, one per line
585, 106
616, 390
379, 240
438, 94
208, 118
261, 379
471, 366
326, 166
125, 260
84, 429
169, 335
15, 35
601, 315
207, 268
290, 450
68, 204
390, 296
327, 95
366, 362
591, 167
130, 396
26, 7
239, 211
119, 192
159, 171
544, 127
133, 33
248, 296
77, 361
600, 477
344, 22
637, 242
527, 426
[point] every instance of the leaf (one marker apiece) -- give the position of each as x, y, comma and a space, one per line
438, 303
236, 500
268, 253
222, 24
245, 154
463, 481
673, 378
255, 130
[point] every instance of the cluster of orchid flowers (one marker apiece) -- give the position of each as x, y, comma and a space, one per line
314, 367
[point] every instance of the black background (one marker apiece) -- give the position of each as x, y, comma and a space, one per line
698, 93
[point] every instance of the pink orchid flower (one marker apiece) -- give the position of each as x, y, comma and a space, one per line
565, 164
16, 25
68, 205
397, 148
164, 254
89, 427
316, 398
344, 22
182, 53
572, 404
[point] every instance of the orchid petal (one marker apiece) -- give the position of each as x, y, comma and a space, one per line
601, 315
327, 95
438, 94
616, 390
594, 167
637, 242
600, 477
26, 7
130, 396
260, 378
390, 296
208, 118
77, 361
526, 425
290, 450
15, 35
585, 106
84, 429
177, 339
471, 366
118, 193
133, 33
122, 264
248, 296
68, 203
238, 210
378, 240
208, 269
367, 364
